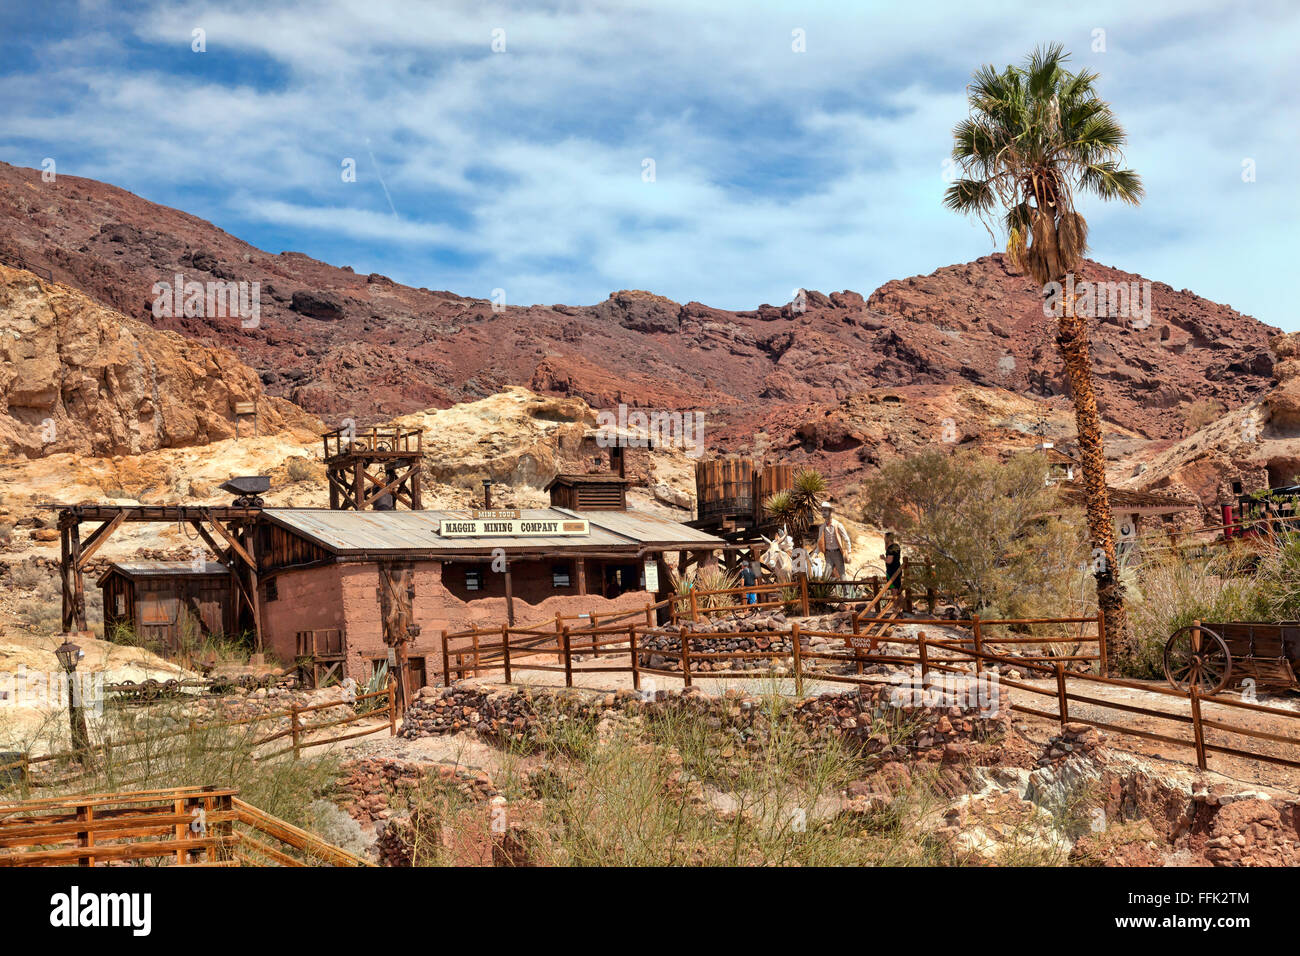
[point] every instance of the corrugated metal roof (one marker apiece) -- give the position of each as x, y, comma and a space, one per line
647, 528
138, 568
351, 531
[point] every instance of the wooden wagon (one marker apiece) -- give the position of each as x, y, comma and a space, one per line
1211, 655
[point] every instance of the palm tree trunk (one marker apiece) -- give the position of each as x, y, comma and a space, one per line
1072, 341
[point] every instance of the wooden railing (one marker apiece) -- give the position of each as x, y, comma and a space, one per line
183, 826
142, 749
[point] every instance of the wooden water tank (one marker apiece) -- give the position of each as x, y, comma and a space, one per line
724, 488
768, 481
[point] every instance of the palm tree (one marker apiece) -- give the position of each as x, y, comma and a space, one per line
1037, 135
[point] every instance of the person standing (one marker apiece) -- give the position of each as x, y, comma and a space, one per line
749, 578
833, 542
893, 558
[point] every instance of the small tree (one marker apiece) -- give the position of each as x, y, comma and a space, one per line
996, 533
796, 507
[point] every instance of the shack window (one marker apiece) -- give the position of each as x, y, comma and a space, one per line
560, 576
473, 580
121, 604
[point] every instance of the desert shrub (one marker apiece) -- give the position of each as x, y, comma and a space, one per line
998, 536
27, 575
299, 469
1202, 412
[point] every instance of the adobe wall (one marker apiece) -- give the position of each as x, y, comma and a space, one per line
346, 596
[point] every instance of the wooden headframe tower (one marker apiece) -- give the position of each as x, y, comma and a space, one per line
376, 468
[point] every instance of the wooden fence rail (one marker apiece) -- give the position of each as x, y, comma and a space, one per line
118, 751
183, 826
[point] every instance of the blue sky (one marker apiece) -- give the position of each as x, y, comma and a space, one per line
773, 169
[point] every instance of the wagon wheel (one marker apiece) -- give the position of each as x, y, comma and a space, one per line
151, 689
1197, 655
127, 689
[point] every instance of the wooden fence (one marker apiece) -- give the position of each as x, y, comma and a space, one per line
1063, 658
183, 826
300, 733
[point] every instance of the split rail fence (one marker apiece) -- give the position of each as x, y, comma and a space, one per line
182, 826
143, 752
1062, 660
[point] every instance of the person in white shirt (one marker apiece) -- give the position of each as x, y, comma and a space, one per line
833, 542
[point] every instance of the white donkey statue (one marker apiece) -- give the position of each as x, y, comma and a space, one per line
778, 556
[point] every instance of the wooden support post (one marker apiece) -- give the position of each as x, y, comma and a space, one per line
568, 657
857, 651
78, 586
505, 652
979, 644
1198, 730
580, 570
636, 664
798, 658
359, 486
446, 662
475, 639
683, 636
65, 577
510, 597
803, 593
924, 655
649, 615
1061, 703
251, 546
392, 699
295, 730
695, 607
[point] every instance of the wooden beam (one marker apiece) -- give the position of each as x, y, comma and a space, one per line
234, 544
580, 569
510, 598
99, 536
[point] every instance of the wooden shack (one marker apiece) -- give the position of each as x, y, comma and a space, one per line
599, 492
165, 602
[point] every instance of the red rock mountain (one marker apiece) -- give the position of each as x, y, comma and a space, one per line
345, 345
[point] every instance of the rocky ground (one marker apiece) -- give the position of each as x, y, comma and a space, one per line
994, 790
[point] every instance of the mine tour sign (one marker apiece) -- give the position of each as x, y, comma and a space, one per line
512, 527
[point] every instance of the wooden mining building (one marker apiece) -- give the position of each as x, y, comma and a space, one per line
335, 589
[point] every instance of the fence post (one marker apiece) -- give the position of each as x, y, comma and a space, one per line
1198, 731
392, 705
649, 615
695, 607
979, 643
446, 662
568, 658
925, 657
293, 728
803, 593
476, 652
505, 651
798, 659
1101, 643
636, 666
857, 651
1061, 702
686, 656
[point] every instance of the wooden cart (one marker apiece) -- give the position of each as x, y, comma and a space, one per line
1212, 655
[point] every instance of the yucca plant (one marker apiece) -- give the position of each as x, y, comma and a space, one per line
796, 507
1037, 135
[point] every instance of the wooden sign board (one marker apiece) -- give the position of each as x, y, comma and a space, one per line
857, 641
651, 575
513, 527
499, 514
245, 408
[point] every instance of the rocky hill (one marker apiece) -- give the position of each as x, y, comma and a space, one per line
77, 377
345, 345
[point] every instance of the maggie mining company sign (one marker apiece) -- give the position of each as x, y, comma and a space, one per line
516, 527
